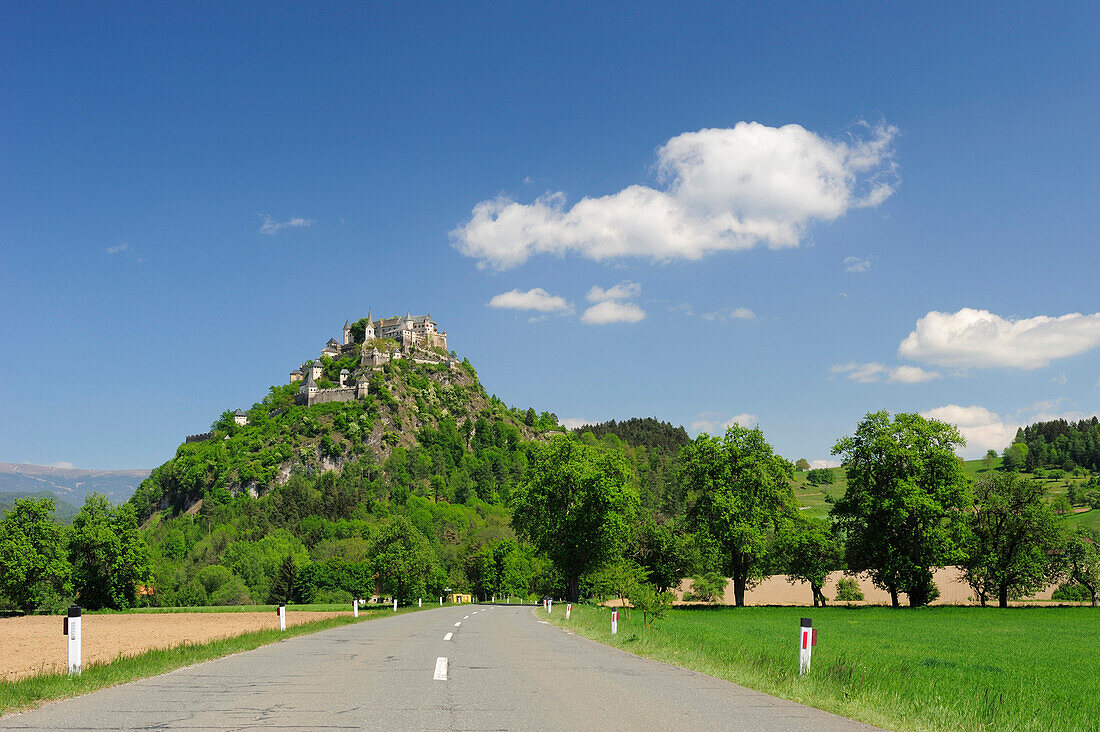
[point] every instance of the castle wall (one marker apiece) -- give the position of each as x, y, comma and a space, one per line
324, 396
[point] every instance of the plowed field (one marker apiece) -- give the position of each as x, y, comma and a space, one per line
32, 645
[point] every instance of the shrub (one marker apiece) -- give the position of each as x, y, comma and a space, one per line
709, 587
1072, 592
847, 590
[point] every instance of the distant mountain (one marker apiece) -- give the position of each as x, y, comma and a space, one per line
71, 485
63, 510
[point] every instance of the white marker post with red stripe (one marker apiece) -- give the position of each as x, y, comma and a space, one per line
549, 606
282, 616
72, 631
614, 622
568, 609
807, 639
355, 607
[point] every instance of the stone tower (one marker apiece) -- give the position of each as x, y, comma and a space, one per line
347, 332
315, 370
361, 388
368, 332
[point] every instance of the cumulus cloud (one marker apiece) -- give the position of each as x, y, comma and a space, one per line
271, 226
63, 464
824, 463
983, 430
729, 314
720, 190
625, 290
611, 311
856, 264
869, 373
117, 248
979, 339
575, 422
716, 425
536, 299
610, 308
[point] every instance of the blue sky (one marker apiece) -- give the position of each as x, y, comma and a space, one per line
776, 215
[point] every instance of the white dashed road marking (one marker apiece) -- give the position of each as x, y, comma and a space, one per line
458, 623
448, 636
441, 668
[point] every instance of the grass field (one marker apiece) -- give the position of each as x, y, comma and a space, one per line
315, 607
927, 669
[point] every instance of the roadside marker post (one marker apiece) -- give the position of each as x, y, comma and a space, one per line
568, 609
355, 607
395, 604
441, 600
282, 616
549, 606
71, 628
420, 602
807, 639
614, 622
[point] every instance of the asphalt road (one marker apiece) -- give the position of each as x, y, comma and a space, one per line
501, 668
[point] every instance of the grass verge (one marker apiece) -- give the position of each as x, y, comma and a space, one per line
928, 669
30, 692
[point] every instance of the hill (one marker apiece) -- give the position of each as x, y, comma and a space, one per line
63, 511
71, 485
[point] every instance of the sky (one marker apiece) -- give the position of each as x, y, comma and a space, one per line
767, 214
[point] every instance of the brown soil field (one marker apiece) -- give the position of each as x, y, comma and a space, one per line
35, 644
776, 590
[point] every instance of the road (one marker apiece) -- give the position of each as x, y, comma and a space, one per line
470, 667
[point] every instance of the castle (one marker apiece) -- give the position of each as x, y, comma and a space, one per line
415, 336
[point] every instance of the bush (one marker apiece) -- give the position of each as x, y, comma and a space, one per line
710, 587
1072, 592
847, 590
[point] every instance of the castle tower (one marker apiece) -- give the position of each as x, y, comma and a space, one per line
361, 388
240, 417
344, 374
295, 375
315, 370
347, 332
368, 332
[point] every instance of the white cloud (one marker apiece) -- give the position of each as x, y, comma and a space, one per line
271, 226
117, 249
625, 290
710, 424
869, 373
575, 422
825, 463
536, 299
979, 339
63, 464
984, 430
856, 264
1061, 379
729, 314
611, 311
722, 190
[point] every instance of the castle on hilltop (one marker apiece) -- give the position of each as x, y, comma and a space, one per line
415, 336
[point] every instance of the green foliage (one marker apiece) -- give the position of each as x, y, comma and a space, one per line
708, 587
615, 578
808, 550
1011, 539
1060, 444
282, 585
904, 507
108, 555
34, 571
404, 562
1080, 561
575, 506
820, 476
653, 604
741, 493
848, 590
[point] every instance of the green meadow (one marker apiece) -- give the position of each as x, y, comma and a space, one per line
932, 668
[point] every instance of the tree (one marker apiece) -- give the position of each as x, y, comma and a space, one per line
903, 510
740, 491
403, 561
820, 476
661, 552
1081, 561
33, 567
1012, 535
108, 556
1015, 456
709, 587
652, 603
802, 464
990, 456
575, 506
808, 550
282, 584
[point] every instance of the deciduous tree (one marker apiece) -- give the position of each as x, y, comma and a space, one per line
108, 556
740, 490
905, 501
575, 506
807, 551
33, 567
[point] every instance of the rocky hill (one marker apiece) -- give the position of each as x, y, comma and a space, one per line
408, 401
